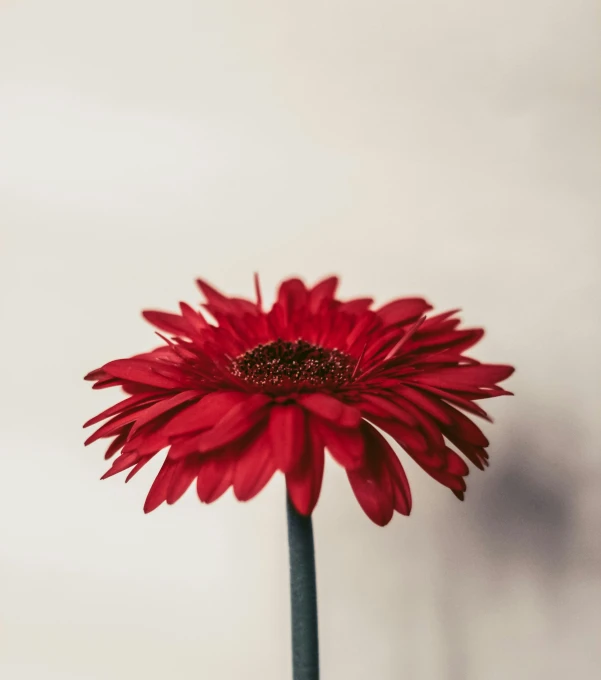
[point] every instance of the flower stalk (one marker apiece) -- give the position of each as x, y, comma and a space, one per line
303, 596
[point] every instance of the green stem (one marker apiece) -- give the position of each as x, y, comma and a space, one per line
303, 596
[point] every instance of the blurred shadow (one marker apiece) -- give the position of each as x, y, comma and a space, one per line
526, 511
522, 521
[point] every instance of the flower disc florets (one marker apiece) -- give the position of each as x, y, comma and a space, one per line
295, 365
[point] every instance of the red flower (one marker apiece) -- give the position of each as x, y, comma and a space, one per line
259, 391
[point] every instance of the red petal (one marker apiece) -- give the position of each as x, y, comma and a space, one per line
269, 469
212, 295
171, 323
292, 295
116, 444
407, 335
453, 482
376, 445
359, 332
485, 393
409, 438
465, 376
258, 291
150, 439
125, 460
244, 306
236, 422
429, 427
451, 473
184, 473
217, 302
400, 484
475, 454
204, 414
356, 306
230, 308
124, 405
345, 445
138, 467
304, 484
403, 310
454, 464
330, 408
379, 343
457, 341
140, 371
433, 322
194, 319
134, 388
372, 484
413, 441
430, 405
162, 407
456, 399
96, 374
384, 408
324, 290
254, 468
466, 339
183, 446
103, 384
214, 477
113, 425
160, 486
287, 430
464, 428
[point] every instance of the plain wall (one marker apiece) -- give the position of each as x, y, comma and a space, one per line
450, 149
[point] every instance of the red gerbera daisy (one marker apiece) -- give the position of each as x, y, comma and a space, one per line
255, 391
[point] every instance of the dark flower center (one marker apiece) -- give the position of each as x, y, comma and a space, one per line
293, 364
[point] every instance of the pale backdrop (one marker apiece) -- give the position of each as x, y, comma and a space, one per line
450, 149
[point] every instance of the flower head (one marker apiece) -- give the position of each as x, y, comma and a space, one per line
252, 392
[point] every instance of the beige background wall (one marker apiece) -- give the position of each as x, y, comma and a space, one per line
445, 148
